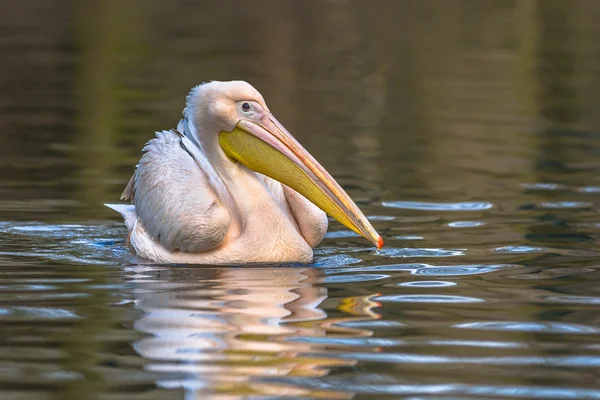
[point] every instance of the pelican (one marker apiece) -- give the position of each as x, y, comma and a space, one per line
232, 185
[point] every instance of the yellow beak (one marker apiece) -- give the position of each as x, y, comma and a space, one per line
268, 148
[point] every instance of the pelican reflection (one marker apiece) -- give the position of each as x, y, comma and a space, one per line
224, 330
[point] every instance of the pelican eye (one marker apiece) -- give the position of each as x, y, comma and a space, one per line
246, 107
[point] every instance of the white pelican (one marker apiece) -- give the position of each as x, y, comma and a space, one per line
231, 185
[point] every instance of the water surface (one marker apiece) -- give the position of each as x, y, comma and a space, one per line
467, 131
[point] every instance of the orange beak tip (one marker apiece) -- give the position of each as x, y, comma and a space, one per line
380, 243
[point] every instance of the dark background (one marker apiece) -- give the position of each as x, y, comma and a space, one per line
395, 97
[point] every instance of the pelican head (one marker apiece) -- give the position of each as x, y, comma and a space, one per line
231, 121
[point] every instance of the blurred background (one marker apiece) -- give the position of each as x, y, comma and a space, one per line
457, 96
467, 130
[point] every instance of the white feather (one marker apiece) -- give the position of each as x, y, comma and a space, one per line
127, 211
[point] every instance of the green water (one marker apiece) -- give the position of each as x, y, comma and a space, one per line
468, 131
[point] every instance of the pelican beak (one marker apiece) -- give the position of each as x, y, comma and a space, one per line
266, 147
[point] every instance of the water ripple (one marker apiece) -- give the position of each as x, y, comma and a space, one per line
340, 234
381, 218
419, 205
383, 385
388, 342
354, 278
372, 324
465, 224
520, 249
411, 252
566, 204
542, 186
525, 326
427, 284
430, 270
37, 313
573, 299
461, 270
589, 189
333, 341
335, 260
70, 243
427, 298
408, 237
584, 361
532, 250
478, 343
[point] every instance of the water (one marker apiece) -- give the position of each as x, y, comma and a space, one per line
467, 131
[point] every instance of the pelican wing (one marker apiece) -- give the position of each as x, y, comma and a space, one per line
173, 198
